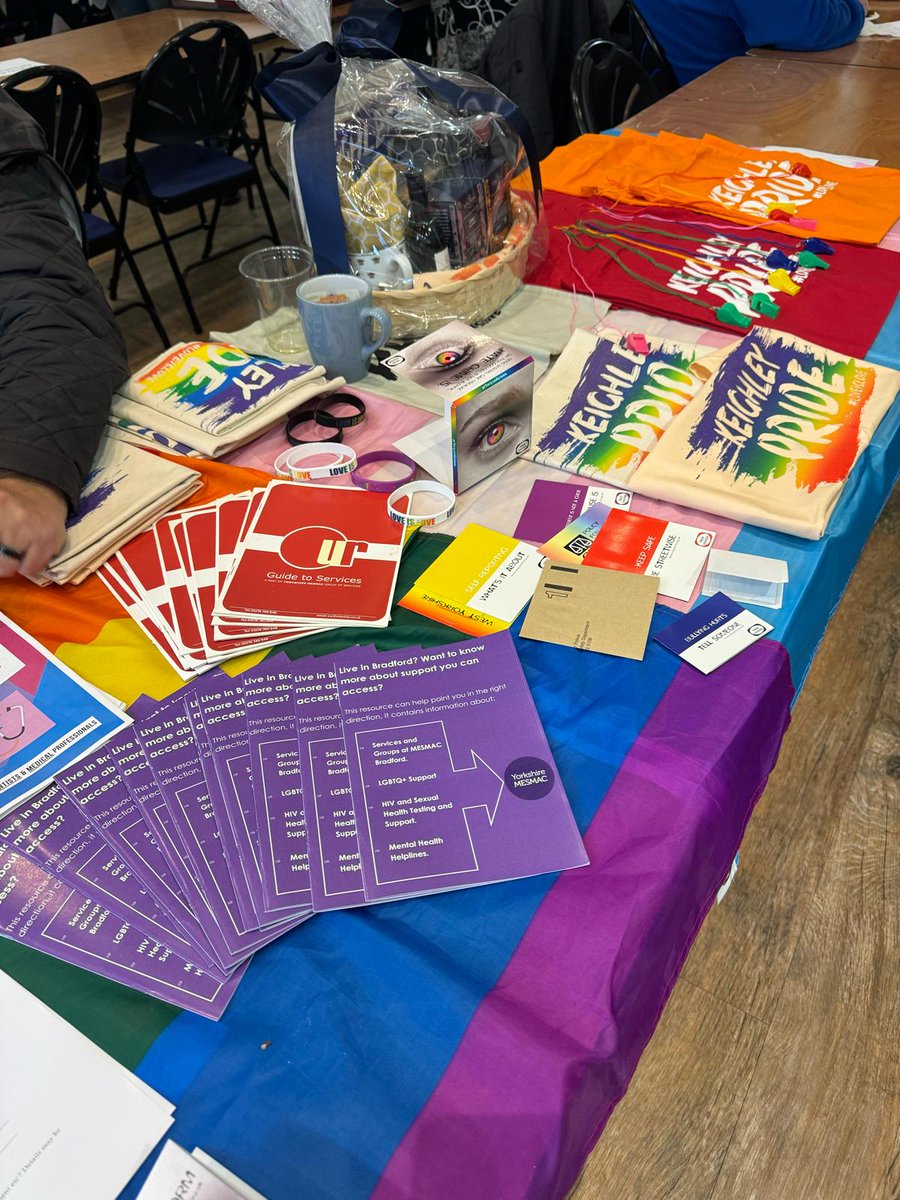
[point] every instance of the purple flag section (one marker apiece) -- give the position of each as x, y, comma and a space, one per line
452, 780
46, 914
548, 1054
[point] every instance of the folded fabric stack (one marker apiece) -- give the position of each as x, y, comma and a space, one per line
781, 191
208, 398
773, 436
256, 569
126, 491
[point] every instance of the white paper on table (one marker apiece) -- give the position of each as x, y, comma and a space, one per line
192, 1177
431, 448
73, 1122
871, 28
679, 559
11, 66
842, 160
244, 1190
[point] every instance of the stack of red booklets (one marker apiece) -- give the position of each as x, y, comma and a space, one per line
257, 569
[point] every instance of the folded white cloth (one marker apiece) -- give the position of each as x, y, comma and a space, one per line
209, 398
125, 492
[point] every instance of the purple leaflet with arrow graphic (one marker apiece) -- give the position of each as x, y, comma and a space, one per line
452, 780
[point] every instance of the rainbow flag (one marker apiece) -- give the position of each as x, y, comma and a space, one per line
472, 1045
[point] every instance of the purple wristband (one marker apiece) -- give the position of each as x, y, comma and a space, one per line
382, 485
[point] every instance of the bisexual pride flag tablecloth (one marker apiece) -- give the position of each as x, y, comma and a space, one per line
471, 1046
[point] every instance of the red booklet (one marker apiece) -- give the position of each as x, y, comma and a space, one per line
320, 556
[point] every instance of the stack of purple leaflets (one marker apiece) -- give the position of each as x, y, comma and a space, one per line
234, 810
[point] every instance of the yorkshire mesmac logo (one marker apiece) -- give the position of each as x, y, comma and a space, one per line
317, 546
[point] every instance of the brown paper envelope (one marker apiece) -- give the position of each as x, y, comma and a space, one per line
592, 609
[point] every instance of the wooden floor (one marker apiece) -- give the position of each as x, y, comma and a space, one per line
773, 1073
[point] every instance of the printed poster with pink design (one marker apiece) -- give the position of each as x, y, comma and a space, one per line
49, 718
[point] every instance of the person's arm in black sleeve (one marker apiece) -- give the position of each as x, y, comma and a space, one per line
61, 352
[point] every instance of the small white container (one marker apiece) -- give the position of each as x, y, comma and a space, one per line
746, 578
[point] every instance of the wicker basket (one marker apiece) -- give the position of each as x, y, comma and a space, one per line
471, 294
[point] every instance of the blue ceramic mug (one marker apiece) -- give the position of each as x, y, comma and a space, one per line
338, 319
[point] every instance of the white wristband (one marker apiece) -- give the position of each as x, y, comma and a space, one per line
289, 464
421, 487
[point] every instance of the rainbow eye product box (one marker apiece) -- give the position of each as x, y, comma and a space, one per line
488, 394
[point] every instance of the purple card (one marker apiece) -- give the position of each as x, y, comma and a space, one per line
453, 781
138, 777
97, 788
52, 831
334, 871
228, 823
42, 912
171, 754
171, 751
553, 504
335, 874
275, 774
222, 704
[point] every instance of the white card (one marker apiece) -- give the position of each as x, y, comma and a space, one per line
179, 1174
73, 1122
713, 632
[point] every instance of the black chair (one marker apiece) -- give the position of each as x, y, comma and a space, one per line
630, 31
12, 22
189, 107
67, 109
609, 85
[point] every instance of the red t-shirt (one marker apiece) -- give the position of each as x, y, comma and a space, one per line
842, 308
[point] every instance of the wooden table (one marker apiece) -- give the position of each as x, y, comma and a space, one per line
771, 101
864, 52
116, 52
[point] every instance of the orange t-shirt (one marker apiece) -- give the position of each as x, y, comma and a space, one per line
710, 175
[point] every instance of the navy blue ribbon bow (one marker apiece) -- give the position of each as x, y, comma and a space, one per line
302, 89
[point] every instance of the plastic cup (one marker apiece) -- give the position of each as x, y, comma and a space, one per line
273, 275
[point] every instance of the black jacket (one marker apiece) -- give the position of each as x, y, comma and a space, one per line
530, 60
61, 352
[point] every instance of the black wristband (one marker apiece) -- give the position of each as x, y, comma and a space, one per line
331, 421
307, 415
